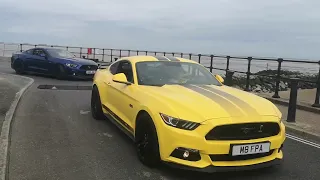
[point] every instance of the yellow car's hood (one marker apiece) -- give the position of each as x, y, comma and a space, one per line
200, 103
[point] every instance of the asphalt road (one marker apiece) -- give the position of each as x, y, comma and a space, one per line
53, 136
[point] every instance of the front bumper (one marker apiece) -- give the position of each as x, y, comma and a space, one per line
213, 169
78, 73
171, 138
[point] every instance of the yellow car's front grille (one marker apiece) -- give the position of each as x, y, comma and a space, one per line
245, 131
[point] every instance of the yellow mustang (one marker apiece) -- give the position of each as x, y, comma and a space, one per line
177, 112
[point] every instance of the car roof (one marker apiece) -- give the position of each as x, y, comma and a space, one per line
135, 59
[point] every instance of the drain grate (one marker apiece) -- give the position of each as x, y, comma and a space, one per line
64, 87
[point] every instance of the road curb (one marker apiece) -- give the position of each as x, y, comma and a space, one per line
292, 128
299, 106
6, 127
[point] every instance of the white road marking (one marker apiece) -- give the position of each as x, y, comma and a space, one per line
146, 174
82, 112
303, 141
108, 135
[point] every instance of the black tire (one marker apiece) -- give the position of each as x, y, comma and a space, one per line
146, 142
19, 67
96, 108
60, 72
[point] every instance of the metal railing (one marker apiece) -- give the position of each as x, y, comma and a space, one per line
103, 54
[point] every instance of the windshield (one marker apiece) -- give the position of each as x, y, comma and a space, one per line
163, 72
60, 53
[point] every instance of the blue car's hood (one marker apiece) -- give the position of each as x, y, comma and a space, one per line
79, 61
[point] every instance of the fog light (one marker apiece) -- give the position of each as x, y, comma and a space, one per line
186, 154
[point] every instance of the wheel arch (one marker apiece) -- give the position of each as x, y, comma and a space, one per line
150, 114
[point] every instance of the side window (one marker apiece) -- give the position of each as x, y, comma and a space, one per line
38, 52
30, 51
126, 68
113, 68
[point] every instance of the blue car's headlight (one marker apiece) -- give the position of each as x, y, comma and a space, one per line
71, 65
179, 123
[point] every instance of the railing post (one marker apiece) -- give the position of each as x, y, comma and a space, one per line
276, 91
80, 52
228, 80
316, 101
190, 56
211, 63
128, 52
173, 54
228, 64
120, 53
137, 52
164, 53
111, 54
155, 53
181, 55
20, 47
293, 100
102, 54
146, 53
248, 74
67, 48
199, 58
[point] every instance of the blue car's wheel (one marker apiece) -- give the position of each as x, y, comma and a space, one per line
60, 72
19, 67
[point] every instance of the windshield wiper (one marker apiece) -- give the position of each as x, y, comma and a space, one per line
160, 85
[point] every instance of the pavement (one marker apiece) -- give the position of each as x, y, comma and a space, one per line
53, 136
307, 117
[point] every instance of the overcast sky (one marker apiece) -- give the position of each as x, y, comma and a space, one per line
273, 28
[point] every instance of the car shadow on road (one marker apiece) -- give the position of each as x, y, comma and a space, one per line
190, 175
51, 77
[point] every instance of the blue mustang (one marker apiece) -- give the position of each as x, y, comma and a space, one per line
57, 62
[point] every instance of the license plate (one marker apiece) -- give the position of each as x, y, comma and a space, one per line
246, 149
90, 72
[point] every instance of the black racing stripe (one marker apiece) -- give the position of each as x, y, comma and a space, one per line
228, 106
173, 59
161, 58
118, 119
233, 98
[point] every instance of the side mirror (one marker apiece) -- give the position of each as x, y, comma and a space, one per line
219, 78
121, 78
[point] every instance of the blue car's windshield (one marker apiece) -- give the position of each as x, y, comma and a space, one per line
162, 72
60, 53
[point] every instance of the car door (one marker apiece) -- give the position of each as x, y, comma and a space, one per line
103, 89
121, 97
27, 57
38, 62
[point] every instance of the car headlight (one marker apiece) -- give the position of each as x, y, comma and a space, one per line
71, 65
179, 123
